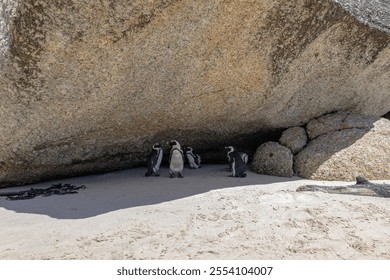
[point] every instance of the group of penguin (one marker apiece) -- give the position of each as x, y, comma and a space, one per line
237, 160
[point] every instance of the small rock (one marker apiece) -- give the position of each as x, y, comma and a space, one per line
294, 138
271, 158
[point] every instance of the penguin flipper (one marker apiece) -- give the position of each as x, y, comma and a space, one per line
153, 161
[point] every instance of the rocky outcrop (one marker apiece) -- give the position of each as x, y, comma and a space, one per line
338, 121
89, 86
294, 138
343, 152
373, 12
362, 187
271, 158
342, 146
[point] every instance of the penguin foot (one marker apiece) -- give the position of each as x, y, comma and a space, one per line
155, 174
176, 175
238, 176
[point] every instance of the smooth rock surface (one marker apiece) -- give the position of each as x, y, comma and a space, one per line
337, 121
347, 153
294, 138
271, 158
89, 86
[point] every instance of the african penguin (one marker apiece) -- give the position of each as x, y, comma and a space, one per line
236, 163
154, 160
244, 157
193, 159
176, 160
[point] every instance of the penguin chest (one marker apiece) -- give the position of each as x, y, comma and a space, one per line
233, 167
157, 161
176, 164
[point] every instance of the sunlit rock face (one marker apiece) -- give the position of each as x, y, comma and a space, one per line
344, 146
373, 12
89, 86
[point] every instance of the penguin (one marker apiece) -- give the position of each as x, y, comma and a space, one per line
244, 157
236, 163
176, 160
193, 159
154, 160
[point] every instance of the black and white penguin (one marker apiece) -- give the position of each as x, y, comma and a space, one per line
176, 160
236, 163
194, 160
154, 160
244, 157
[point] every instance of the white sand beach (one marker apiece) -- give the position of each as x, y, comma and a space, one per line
206, 215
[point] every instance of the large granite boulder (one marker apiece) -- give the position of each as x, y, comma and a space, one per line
89, 86
343, 153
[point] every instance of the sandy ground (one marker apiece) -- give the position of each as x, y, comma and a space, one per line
206, 215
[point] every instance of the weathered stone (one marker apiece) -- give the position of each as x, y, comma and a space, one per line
374, 12
348, 153
337, 121
362, 187
294, 138
89, 86
271, 158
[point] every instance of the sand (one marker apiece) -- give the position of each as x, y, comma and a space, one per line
206, 215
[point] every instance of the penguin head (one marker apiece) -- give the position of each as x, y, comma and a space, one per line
157, 146
188, 149
229, 148
174, 143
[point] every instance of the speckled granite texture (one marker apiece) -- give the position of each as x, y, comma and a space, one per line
89, 86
